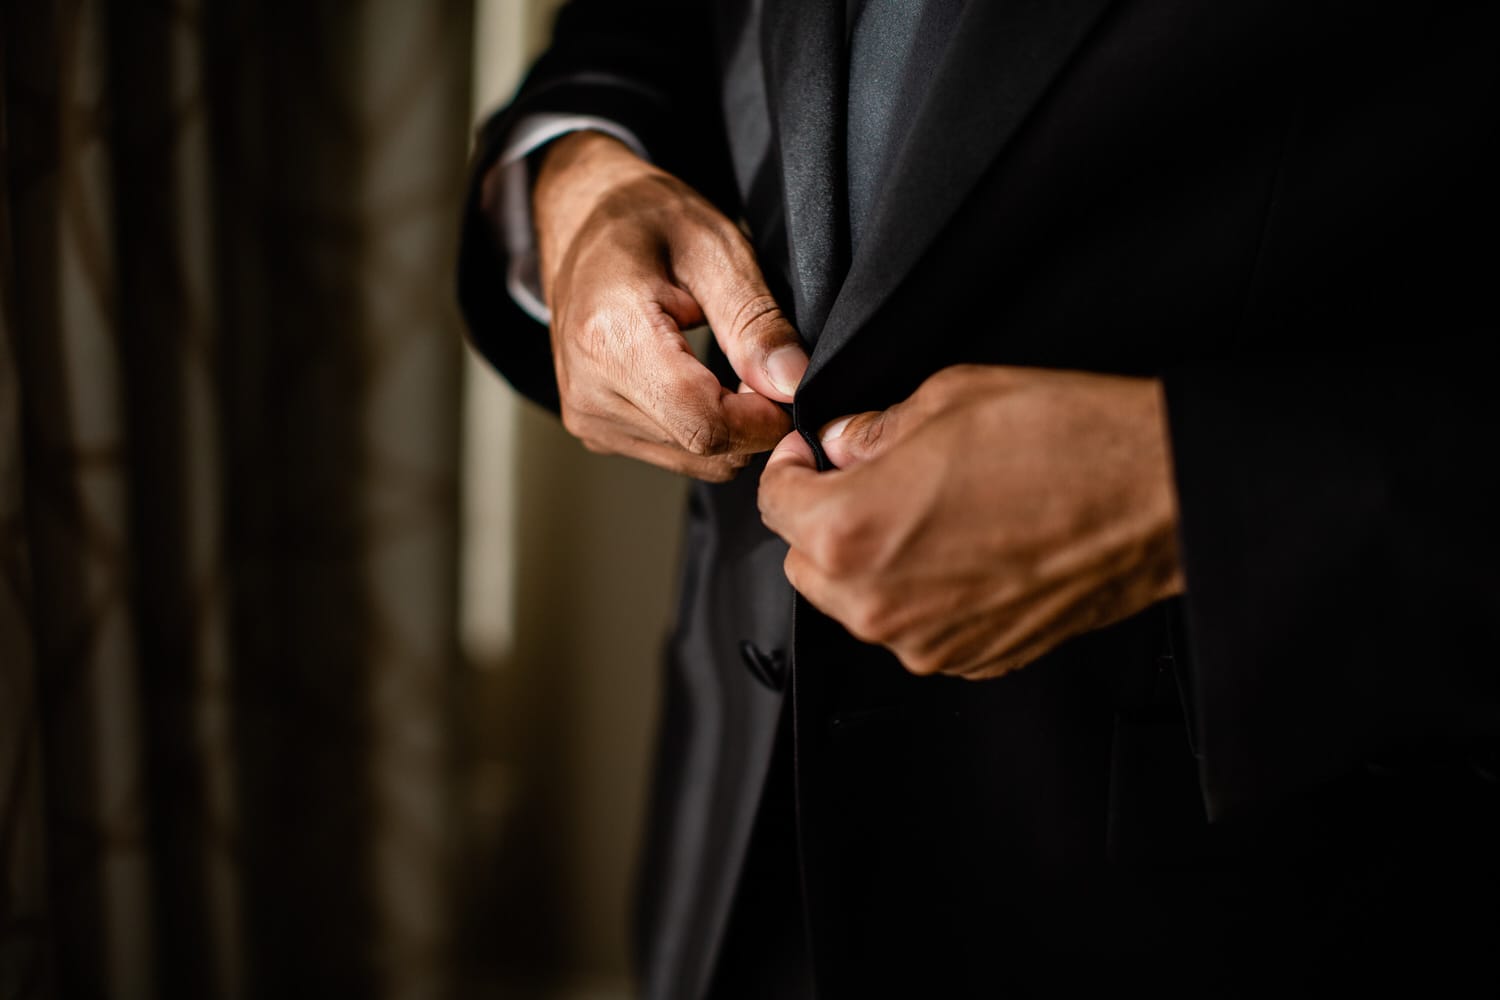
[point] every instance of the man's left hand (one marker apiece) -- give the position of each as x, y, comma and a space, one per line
992, 515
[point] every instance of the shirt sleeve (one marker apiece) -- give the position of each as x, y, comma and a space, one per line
530, 134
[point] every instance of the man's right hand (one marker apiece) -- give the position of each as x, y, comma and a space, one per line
630, 257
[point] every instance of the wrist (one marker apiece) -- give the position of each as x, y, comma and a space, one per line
578, 154
576, 172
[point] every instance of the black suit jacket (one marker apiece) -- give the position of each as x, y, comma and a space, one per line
1286, 210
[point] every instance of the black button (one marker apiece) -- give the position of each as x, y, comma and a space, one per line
768, 667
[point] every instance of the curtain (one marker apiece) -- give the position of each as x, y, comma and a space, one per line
229, 438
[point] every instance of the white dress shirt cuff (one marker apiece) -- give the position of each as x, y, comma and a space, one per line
523, 277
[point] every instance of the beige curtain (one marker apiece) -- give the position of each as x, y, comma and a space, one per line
228, 467
326, 667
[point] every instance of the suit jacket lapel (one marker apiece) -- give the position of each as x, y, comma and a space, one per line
1002, 59
807, 80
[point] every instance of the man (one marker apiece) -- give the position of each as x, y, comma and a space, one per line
1144, 629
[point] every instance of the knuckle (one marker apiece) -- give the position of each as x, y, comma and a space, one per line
921, 664
827, 549
789, 568
871, 431
702, 436
955, 380
593, 333
757, 316
718, 472
944, 380
574, 421
921, 655
869, 619
584, 424
609, 337
843, 546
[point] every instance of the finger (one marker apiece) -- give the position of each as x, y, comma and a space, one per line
752, 425
607, 438
809, 581
973, 651
974, 647
755, 423
854, 439
681, 306
790, 489
718, 268
832, 597
793, 450
713, 469
702, 417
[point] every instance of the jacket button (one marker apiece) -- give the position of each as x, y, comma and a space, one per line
767, 667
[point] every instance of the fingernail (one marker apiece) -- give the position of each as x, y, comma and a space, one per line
833, 431
785, 367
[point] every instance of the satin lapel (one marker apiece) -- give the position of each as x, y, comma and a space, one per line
807, 79
1002, 59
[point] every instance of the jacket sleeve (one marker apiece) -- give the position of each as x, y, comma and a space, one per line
648, 65
1339, 539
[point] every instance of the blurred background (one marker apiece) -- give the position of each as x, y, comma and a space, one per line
326, 667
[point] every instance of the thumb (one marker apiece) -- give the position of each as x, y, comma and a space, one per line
720, 271
789, 488
851, 440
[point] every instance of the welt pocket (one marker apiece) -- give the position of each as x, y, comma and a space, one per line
910, 718
859, 718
